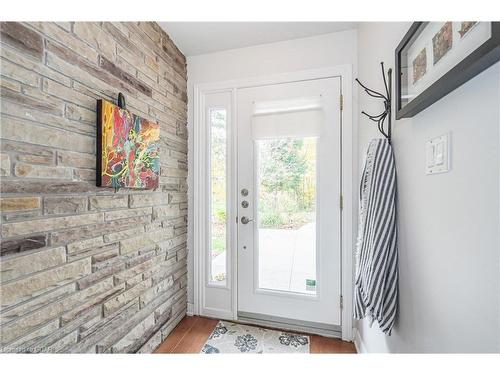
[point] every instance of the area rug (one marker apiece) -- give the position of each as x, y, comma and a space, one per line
238, 338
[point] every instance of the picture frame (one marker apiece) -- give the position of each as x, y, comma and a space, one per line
435, 58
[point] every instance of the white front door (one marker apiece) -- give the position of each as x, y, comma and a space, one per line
289, 181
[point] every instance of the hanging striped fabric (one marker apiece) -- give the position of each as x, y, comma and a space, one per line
376, 286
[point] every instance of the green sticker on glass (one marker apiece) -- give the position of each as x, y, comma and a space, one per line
310, 284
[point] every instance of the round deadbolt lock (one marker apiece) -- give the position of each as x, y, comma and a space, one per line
244, 192
244, 204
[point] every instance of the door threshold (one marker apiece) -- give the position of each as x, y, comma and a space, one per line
268, 321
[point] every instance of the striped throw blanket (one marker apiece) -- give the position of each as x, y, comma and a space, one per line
376, 286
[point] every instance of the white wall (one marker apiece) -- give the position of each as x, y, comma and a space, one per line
300, 54
449, 223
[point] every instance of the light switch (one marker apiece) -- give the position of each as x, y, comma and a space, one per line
438, 154
430, 151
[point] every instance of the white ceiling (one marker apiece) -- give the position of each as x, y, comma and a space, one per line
196, 38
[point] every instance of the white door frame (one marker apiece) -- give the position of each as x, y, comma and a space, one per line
348, 176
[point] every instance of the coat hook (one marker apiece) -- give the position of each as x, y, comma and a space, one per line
387, 99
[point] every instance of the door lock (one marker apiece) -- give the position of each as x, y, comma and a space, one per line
244, 192
245, 220
244, 204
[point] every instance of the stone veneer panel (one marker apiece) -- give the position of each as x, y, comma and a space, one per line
87, 269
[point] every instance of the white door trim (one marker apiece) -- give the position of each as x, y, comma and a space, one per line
348, 175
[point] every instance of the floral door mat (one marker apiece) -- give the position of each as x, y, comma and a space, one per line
238, 338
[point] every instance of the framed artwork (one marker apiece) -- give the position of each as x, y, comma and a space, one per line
434, 58
127, 149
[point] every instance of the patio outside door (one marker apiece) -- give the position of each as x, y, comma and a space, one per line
289, 148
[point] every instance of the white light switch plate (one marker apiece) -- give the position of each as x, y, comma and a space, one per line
437, 152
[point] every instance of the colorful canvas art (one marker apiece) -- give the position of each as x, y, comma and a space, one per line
127, 149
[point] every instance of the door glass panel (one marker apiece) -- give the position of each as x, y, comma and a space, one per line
218, 167
287, 214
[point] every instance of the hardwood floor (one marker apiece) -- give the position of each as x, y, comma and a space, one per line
192, 332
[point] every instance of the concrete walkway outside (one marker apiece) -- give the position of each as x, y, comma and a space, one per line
287, 258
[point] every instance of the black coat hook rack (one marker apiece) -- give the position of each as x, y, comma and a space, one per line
387, 98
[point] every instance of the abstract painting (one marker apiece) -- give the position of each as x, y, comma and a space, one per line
127, 149
419, 65
442, 42
465, 27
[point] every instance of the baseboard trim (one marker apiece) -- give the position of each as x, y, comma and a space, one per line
190, 309
358, 343
216, 314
